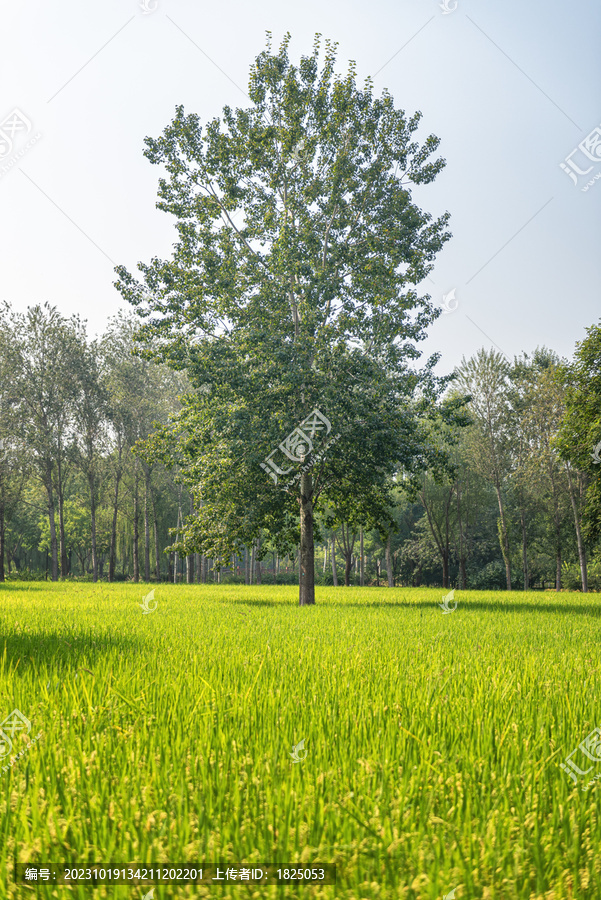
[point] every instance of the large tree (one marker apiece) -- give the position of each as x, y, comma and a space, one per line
292, 288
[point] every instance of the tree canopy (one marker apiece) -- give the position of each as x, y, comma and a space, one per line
293, 288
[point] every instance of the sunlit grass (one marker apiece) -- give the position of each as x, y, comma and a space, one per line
433, 741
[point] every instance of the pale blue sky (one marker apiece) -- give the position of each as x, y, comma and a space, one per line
510, 88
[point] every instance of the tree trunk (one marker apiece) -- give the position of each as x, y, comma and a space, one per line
348, 558
580, 542
462, 543
389, 563
197, 568
306, 577
190, 557
146, 523
362, 569
61, 532
157, 548
113, 547
445, 569
504, 541
246, 567
524, 547
136, 546
92, 483
52, 524
252, 563
60, 491
258, 562
333, 557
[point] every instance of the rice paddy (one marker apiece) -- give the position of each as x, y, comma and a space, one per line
432, 742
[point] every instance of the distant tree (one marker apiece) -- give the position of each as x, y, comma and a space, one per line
41, 354
579, 439
540, 475
139, 394
91, 421
488, 441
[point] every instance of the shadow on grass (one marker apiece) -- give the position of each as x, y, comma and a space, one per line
71, 651
14, 586
492, 605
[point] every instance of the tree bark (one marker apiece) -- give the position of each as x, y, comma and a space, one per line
524, 546
51, 522
306, 577
333, 558
462, 543
389, 562
146, 523
362, 569
258, 562
503, 537
577, 526
92, 486
136, 545
190, 557
61, 517
113, 547
157, 548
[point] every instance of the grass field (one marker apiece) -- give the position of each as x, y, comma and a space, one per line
433, 742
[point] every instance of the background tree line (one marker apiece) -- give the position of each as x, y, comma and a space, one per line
82, 496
